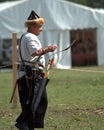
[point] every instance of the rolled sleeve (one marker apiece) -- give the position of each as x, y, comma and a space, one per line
32, 46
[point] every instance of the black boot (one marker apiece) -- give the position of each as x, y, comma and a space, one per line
22, 126
31, 128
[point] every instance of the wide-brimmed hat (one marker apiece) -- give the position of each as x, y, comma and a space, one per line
34, 19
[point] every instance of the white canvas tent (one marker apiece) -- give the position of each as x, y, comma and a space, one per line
60, 18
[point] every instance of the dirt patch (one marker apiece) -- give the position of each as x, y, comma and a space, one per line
82, 111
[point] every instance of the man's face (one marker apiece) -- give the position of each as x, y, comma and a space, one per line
36, 29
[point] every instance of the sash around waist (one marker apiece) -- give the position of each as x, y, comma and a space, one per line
23, 67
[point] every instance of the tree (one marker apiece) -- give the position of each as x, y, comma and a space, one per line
90, 3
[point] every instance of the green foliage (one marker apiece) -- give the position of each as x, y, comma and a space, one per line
90, 3
83, 2
76, 100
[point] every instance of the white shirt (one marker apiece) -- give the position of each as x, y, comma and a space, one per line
28, 45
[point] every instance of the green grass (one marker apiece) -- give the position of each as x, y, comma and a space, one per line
76, 100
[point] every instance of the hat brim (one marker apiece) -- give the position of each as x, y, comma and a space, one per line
39, 21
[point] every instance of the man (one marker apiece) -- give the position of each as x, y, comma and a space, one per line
31, 50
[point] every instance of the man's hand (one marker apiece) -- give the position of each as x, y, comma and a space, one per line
51, 48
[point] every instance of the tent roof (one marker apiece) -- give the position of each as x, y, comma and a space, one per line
8, 4
58, 14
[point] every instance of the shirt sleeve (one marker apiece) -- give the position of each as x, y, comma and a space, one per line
32, 45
